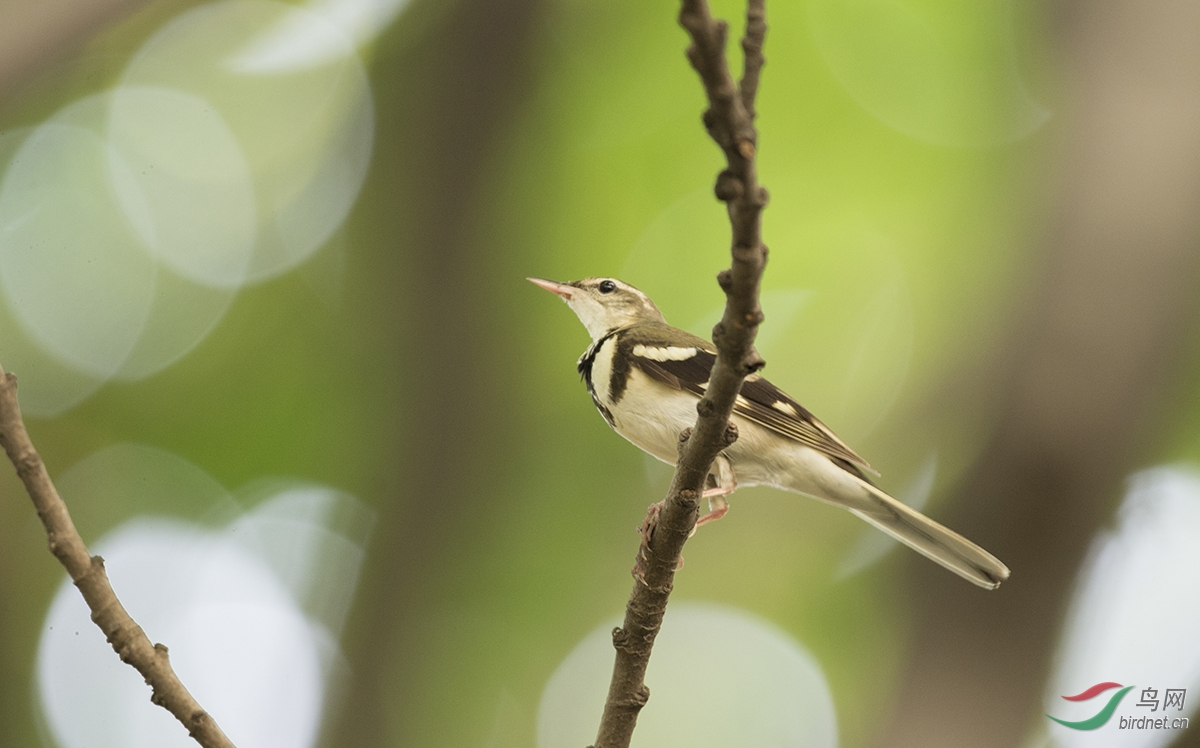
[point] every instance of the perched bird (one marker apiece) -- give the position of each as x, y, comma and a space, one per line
646, 377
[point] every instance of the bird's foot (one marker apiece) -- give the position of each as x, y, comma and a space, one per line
649, 522
646, 530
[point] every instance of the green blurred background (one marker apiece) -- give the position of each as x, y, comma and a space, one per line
983, 232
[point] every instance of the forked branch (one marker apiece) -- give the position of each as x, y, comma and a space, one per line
729, 119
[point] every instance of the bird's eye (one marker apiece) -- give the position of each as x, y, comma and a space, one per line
607, 286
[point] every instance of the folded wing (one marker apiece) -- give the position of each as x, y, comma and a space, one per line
686, 363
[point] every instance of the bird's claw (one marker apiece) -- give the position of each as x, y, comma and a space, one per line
649, 522
646, 530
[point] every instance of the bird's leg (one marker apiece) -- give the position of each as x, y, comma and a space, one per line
721, 485
717, 507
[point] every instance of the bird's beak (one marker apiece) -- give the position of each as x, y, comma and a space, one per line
562, 289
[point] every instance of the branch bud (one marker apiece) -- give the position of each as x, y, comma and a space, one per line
728, 187
685, 435
753, 362
725, 280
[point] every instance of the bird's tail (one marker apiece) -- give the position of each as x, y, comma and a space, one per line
932, 540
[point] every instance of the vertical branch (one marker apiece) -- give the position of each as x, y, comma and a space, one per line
752, 46
87, 571
729, 120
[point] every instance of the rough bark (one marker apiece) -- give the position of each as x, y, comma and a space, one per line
87, 571
730, 121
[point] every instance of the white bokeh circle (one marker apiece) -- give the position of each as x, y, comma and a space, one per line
719, 677
183, 311
237, 639
88, 300
296, 43
306, 131
72, 267
48, 385
1134, 614
233, 149
190, 191
250, 606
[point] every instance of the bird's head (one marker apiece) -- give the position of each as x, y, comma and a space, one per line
603, 304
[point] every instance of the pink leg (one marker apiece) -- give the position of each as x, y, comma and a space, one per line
713, 493
717, 507
726, 484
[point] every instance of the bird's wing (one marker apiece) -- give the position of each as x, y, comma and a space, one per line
684, 361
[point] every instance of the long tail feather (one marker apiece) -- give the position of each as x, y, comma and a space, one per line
934, 541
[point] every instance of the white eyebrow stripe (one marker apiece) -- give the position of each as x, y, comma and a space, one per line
663, 353
625, 286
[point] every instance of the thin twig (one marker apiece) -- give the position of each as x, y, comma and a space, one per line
730, 121
752, 46
87, 571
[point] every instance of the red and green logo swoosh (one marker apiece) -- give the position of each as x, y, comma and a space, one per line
1101, 716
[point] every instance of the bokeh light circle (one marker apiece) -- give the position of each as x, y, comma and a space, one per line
173, 314
237, 640
72, 267
250, 601
183, 312
306, 130
48, 386
719, 677
233, 148
190, 191
1139, 576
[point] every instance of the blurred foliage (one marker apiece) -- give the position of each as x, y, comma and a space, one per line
910, 254
906, 167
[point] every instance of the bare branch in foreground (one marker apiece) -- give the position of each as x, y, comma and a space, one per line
87, 571
730, 121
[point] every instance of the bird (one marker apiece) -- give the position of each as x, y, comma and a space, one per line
646, 378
